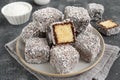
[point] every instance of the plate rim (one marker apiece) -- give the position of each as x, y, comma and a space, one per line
61, 75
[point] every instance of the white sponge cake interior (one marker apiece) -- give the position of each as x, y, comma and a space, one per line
108, 24
64, 33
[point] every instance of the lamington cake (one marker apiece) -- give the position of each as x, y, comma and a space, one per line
88, 46
64, 58
46, 16
79, 15
95, 11
31, 30
108, 27
62, 32
36, 50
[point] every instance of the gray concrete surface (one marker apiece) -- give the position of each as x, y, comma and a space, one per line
11, 70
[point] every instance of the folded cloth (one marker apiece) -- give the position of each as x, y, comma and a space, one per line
99, 72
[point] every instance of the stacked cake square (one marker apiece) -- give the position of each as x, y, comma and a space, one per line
60, 39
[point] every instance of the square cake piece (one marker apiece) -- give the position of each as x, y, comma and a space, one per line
64, 58
88, 46
108, 27
62, 32
46, 16
79, 15
95, 11
37, 50
29, 31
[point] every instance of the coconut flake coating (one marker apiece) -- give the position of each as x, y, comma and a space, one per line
64, 58
31, 30
88, 46
46, 16
89, 28
36, 50
95, 11
79, 15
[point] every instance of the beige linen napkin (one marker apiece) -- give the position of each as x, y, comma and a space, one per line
99, 72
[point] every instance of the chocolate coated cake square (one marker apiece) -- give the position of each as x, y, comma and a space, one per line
108, 27
62, 32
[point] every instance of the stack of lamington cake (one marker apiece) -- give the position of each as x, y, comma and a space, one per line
61, 39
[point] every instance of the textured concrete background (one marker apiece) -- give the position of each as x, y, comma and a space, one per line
11, 70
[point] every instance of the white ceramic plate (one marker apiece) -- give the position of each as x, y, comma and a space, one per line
47, 69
